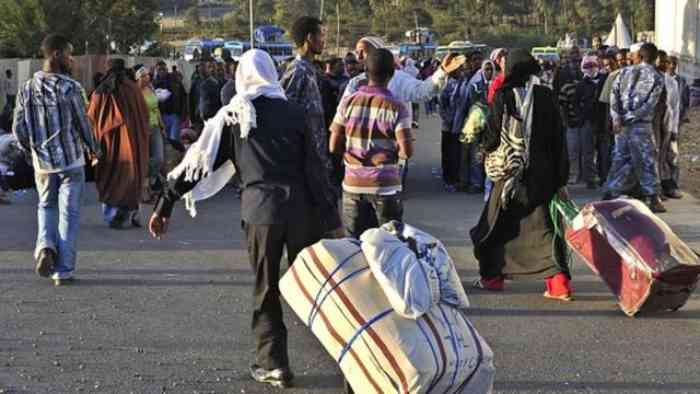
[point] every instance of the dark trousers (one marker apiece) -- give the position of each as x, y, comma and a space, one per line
451, 157
362, 212
265, 247
604, 155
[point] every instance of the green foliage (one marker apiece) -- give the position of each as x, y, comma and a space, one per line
192, 19
87, 23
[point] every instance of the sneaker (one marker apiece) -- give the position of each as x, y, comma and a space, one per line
280, 377
493, 284
64, 281
655, 204
45, 262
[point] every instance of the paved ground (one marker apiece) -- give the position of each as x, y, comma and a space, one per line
173, 315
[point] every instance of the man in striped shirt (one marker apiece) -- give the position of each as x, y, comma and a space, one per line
373, 131
50, 122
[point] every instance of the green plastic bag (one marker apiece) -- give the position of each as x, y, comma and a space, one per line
475, 124
562, 212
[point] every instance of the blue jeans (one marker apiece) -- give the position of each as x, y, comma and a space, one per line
58, 214
172, 126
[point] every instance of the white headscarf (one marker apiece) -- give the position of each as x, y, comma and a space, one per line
374, 41
256, 76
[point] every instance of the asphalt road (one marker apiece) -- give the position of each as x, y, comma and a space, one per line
150, 316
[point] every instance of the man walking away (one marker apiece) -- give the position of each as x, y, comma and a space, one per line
635, 96
174, 109
373, 131
280, 176
50, 122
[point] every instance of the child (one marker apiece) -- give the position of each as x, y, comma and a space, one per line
372, 130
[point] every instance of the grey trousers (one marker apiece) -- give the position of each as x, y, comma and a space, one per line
581, 144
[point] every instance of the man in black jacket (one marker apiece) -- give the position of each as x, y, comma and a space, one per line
274, 152
174, 109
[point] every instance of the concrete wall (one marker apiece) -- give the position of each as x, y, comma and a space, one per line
86, 66
677, 32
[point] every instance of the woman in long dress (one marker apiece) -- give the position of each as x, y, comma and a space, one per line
156, 146
527, 160
119, 115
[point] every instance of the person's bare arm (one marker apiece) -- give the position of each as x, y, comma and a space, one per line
405, 141
336, 144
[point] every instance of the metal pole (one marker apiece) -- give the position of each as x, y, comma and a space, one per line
252, 41
337, 36
322, 7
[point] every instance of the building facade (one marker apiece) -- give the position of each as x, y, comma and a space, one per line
678, 32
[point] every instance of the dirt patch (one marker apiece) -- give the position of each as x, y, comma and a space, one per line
690, 154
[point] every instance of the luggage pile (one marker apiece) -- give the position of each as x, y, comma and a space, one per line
645, 265
390, 309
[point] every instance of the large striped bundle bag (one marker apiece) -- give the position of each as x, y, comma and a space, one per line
384, 309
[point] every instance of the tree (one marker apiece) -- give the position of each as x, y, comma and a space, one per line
86, 23
192, 19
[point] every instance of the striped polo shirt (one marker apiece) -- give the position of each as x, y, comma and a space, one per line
372, 121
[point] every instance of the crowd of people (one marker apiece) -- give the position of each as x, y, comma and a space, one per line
319, 150
594, 105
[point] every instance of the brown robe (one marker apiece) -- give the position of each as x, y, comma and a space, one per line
120, 123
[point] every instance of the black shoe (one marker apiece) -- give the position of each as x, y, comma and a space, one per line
45, 262
117, 222
64, 282
655, 204
136, 220
674, 194
591, 186
280, 377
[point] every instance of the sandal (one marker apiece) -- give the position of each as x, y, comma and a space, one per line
566, 297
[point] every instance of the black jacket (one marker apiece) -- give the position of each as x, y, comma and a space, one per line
280, 171
548, 169
177, 102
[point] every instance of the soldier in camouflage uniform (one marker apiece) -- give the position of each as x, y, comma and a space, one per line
634, 99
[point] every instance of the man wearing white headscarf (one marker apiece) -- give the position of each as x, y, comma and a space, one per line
279, 173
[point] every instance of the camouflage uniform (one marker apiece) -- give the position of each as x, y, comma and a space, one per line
635, 96
301, 84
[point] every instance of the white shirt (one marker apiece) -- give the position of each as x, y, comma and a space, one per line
673, 104
406, 88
